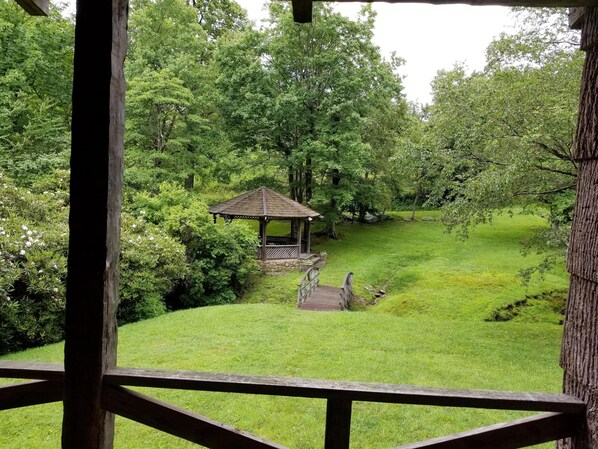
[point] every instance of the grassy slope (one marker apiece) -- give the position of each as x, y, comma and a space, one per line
427, 272
409, 340
277, 340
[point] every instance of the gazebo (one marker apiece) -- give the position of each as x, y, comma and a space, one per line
265, 205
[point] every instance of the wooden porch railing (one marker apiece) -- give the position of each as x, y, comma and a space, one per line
347, 291
307, 285
563, 415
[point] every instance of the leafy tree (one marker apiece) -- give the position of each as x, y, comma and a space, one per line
173, 130
36, 66
504, 136
302, 94
33, 251
219, 17
414, 165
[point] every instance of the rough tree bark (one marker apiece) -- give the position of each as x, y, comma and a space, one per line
579, 353
94, 221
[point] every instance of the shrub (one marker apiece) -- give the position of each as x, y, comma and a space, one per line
33, 259
32, 267
150, 265
221, 256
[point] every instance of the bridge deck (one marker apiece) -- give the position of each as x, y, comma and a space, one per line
323, 298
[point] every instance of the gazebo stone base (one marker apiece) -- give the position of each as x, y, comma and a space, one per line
280, 265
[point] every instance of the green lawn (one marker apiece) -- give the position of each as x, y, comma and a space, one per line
428, 330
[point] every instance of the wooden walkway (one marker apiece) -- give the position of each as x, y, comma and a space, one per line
312, 296
323, 298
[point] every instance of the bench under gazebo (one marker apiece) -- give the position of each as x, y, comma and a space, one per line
265, 205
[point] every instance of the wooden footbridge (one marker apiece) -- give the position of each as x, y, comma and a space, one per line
312, 296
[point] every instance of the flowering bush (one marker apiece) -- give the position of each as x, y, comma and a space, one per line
33, 258
150, 265
32, 267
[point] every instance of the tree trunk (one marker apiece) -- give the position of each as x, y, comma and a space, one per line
579, 352
308, 180
331, 224
190, 182
417, 193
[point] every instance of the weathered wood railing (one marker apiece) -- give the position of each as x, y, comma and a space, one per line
274, 252
563, 417
347, 291
307, 285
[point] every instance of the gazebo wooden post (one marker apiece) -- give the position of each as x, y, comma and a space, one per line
308, 236
299, 237
264, 237
94, 221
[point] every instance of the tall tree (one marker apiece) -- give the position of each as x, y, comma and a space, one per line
505, 135
36, 67
303, 94
219, 17
173, 133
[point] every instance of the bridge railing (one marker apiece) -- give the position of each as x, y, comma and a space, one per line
563, 417
307, 285
347, 291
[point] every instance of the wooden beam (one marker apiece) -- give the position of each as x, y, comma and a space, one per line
94, 220
29, 393
351, 391
35, 7
338, 424
302, 10
510, 435
181, 423
264, 237
532, 3
576, 18
13, 369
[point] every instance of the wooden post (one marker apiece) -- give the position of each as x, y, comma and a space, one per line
302, 11
338, 424
579, 353
308, 236
264, 235
94, 221
299, 236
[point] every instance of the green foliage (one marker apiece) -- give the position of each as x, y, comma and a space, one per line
33, 254
221, 257
311, 98
36, 67
503, 138
173, 131
151, 265
219, 17
32, 266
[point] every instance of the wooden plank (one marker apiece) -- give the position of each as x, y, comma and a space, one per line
181, 423
35, 7
29, 393
94, 221
16, 369
352, 391
567, 3
576, 18
338, 424
510, 435
302, 11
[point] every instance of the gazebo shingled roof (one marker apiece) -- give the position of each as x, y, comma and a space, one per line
263, 203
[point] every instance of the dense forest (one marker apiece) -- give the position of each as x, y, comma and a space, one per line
217, 105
